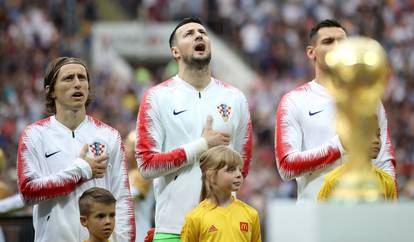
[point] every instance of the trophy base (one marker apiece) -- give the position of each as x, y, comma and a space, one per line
357, 186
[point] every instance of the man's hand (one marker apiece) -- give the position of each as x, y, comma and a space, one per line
212, 137
97, 164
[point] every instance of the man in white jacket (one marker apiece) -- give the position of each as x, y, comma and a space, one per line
306, 144
181, 118
63, 155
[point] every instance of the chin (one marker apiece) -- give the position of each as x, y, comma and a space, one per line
78, 107
236, 189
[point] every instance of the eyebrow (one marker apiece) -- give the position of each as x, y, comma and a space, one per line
192, 30
73, 74
328, 38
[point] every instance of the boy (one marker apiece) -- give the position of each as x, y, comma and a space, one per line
97, 213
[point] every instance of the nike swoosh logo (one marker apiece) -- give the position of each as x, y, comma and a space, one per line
176, 113
311, 114
49, 155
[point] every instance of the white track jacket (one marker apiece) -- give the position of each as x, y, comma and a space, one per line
169, 126
306, 144
53, 177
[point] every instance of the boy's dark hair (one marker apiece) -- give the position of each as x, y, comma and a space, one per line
51, 75
327, 23
92, 196
181, 23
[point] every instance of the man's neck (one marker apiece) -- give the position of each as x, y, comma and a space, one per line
198, 78
321, 78
70, 118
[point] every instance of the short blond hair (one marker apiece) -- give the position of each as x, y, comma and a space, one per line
213, 160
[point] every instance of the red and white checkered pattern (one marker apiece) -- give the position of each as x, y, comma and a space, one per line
224, 111
97, 148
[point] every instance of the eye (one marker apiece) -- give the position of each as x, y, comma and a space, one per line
82, 77
231, 169
328, 41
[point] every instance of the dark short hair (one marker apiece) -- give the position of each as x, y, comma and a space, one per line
51, 75
181, 23
92, 196
327, 23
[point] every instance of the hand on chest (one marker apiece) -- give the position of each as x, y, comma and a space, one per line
58, 156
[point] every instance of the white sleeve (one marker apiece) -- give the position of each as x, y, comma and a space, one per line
385, 159
150, 136
291, 160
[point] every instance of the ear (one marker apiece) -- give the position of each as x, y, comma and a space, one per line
310, 52
84, 221
175, 52
210, 176
47, 90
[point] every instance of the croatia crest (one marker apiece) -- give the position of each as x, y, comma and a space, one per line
97, 148
225, 111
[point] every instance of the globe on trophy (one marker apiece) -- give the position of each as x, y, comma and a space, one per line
359, 70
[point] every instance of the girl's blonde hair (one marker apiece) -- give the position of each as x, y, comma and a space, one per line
211, 162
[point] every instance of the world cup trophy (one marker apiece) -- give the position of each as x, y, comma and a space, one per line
358, 69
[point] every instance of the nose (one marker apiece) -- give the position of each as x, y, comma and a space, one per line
108, 220
199, 36
77, 82
238, 174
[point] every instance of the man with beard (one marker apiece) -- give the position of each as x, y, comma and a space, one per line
181, 118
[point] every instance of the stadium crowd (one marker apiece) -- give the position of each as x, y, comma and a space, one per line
269, 35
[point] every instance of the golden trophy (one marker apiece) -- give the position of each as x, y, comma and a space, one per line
358, 69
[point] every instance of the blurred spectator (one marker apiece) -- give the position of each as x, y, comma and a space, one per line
141, 191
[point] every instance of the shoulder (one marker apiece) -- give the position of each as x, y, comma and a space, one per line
35, 129
230, 89
161, 88
197, 212
295, 99
333, 175
102, 127
298, 92
40, 124
385, 177
158, 94
247, 208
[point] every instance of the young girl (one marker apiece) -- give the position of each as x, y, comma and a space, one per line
220, 216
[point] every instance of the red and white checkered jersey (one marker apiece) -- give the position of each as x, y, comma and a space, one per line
306, 144
169, 127
53, 177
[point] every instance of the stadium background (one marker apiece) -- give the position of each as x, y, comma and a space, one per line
269, 36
